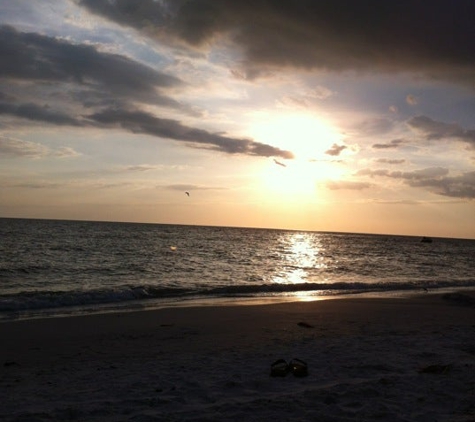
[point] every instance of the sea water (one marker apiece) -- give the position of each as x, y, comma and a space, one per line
50, 267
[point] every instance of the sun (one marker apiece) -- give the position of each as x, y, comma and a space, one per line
307, 137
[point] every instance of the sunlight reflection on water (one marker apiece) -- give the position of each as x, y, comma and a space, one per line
301, 252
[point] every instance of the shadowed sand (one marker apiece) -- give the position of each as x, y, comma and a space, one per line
410, 359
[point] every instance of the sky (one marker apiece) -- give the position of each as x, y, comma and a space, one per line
341, 115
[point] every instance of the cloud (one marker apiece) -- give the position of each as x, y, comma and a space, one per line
462, 186
395, 143
17, 148
434, 179
434, 130
306, 99
335, 150
375, 126
65, 152
35, 185
429, 172
35, 57
435, 39
189, 187
137, 121
140, 168
390, 161
41, 113
96, 81
347, 185
10, 147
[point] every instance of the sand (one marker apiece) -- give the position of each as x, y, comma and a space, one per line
399, 359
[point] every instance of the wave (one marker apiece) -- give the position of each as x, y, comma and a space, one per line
50, 300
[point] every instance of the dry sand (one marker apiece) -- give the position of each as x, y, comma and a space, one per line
401, 359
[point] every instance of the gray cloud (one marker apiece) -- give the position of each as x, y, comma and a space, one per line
429, 172
137, 121
395, 143
347, 185
181, 187
10, 147
35, 57
35, 185
376, 126
373, 35
462, 186
189, 188
39, 113
434, 130
141, 168
17, 148
107, 84
434, 179
335, 150
390, 161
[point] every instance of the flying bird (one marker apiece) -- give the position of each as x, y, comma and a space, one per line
279, 163
188, 193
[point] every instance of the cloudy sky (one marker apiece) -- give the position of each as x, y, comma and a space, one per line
339, 115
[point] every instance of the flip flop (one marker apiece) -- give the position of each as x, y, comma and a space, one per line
298, 367
279, 368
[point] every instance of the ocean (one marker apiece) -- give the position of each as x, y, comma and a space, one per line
52, 267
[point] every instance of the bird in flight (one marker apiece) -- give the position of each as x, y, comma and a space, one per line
279, 163
187, 193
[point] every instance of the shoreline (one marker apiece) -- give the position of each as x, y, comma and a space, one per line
368, 358
155, 304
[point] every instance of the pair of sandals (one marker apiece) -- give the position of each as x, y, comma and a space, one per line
280, 368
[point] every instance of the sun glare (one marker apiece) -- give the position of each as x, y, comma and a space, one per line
308, 138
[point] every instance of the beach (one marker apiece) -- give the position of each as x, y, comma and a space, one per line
395, 359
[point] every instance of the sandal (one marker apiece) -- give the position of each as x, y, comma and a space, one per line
298, 367
279, 368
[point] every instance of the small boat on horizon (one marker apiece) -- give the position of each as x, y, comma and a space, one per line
426, 239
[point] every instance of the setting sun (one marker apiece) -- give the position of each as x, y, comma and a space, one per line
309, 139
307, 136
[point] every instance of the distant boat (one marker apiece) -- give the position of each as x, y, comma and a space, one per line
426, 240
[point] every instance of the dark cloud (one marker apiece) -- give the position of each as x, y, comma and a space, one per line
40, 66
434, 179
395, 143
35, 57
436, 38
434, 130
137, 121
462, 186
335, 150
39, 113
70, 76
79, 77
